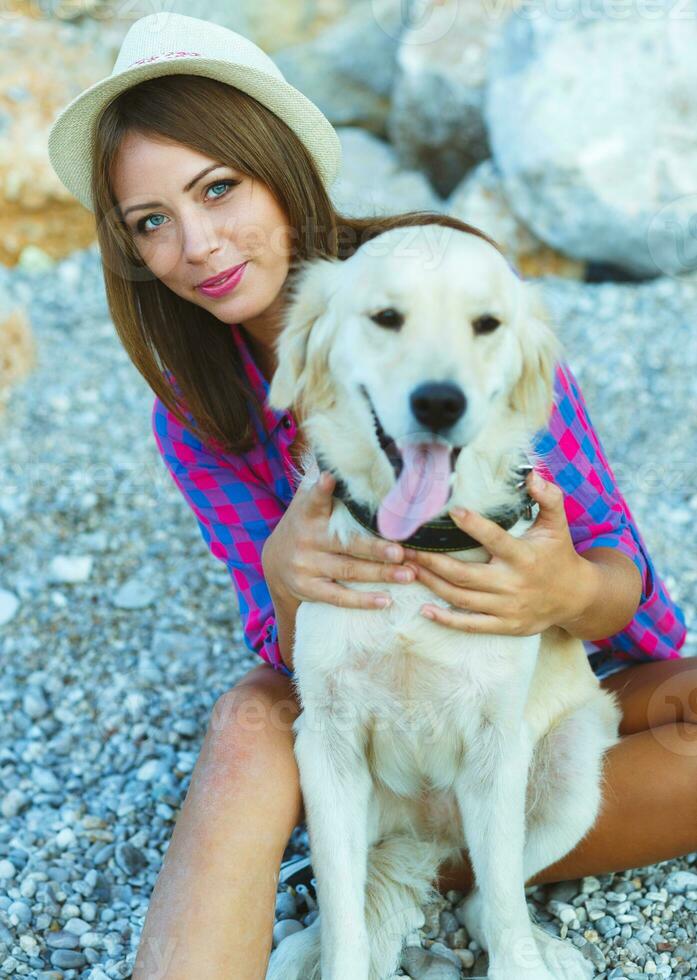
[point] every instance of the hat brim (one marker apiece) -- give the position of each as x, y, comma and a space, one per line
71, 138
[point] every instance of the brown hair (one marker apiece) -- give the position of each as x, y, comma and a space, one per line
160, 330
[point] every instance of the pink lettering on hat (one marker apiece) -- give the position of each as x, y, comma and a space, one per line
168, 54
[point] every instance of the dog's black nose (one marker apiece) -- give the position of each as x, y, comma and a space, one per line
437, 404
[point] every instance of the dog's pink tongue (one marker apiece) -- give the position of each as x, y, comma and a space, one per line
420, 492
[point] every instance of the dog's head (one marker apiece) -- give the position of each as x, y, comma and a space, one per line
408, 361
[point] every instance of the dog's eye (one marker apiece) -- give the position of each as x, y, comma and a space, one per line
389, 317
486, 323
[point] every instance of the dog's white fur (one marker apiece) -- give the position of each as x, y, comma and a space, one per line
417, 739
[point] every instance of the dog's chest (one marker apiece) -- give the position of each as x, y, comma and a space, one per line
415, 694
419, 715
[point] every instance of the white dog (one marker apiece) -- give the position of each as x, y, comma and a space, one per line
420, 383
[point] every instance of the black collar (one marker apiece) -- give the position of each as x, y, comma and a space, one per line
442, 534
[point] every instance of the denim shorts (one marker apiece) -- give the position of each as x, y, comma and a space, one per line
603, 663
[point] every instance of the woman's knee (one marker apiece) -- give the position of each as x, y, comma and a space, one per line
250, 737
655, 694
250, 730
261, 704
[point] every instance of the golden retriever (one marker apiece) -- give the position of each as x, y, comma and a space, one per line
420, 382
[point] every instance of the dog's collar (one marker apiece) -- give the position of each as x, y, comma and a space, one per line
443, 534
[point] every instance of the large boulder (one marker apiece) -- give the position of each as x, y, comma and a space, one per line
436, 118
372, 181
592, 122
480, 200
35, 207
269, 23
349, 69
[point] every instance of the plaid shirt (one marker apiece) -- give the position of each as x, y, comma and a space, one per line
238, 500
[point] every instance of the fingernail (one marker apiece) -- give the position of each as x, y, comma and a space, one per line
382, 601
392, 552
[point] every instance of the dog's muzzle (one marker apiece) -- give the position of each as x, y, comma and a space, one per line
389, 446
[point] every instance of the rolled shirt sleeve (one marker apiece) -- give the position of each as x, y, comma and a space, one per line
599, 516
236, 513
596, 511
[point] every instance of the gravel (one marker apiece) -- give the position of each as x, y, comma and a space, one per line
118, 632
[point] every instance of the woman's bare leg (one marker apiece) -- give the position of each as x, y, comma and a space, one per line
211, 914
649, 807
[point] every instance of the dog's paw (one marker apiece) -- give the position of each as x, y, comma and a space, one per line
562, 958
471, 910
298, 956
387, 939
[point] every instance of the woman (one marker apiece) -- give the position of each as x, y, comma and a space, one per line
197, 157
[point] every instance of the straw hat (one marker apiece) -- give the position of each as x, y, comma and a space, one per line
173, 44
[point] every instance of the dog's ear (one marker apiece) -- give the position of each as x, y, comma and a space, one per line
541, 349
309, 298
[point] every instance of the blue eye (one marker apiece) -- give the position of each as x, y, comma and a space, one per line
221, 183
141, 224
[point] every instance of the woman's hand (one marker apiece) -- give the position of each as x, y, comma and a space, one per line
300, 558
528, 584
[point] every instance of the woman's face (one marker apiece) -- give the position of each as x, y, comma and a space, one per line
189, 226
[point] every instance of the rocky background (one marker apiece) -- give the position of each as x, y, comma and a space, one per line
568, 132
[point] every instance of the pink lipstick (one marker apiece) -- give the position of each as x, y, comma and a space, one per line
224, 283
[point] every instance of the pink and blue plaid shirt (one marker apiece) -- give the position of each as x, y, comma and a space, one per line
239, 499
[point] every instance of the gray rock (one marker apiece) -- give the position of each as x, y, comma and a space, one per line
68, 959
285, 928
134, 594
70, 568
130, 859
373, 181
595, 955
421, 964
13, 803
348, 70
448, 921
436, 120
567, 140
7, 869
62, 939
45, 779
34, 703
679, 882
9, 604
605, 925
563, 891
286, 906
